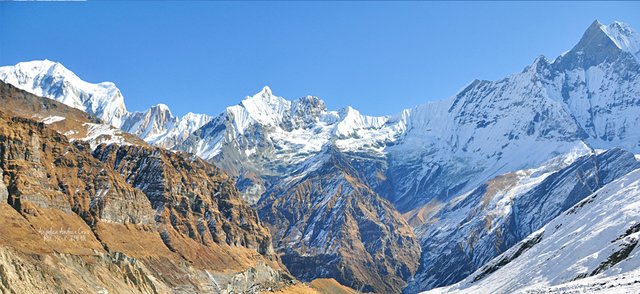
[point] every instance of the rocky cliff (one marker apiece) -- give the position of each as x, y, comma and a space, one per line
190, 196
74, 223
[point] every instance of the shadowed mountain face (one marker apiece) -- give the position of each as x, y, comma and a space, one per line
461, 236
328, 223
589, 248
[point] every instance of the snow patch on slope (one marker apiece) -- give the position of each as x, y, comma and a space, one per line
623, 283
103, 134
52, 119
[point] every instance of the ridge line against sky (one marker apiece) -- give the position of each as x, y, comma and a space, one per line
378, 57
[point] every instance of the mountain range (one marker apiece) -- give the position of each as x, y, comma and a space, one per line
464, 193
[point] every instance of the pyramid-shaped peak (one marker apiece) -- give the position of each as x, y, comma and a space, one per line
594, 36
596, 23
617, 35
265, 95
265, 91
597, 45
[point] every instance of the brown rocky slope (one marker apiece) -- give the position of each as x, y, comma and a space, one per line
71, 223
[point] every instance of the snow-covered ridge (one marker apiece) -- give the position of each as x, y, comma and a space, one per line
52, 80
625, 37
301, 126
267, 109
471, 229
595, 238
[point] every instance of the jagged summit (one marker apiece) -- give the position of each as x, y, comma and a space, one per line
263, 107
264, 98
266, 109
265, 101
540, 62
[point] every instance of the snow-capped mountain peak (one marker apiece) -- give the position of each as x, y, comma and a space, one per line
196, 118
263, 107
266, 90
352, 121
161, 107
52, 80
43, 67
159, 126
538, 65
267, 109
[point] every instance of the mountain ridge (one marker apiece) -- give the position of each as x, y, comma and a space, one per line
104, 100
419, 159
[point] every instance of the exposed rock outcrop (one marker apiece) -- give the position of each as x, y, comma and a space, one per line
192, 196
45, 171
4, 194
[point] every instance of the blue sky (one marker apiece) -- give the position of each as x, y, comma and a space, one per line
379, 57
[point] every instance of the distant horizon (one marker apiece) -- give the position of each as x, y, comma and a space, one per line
379, 58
